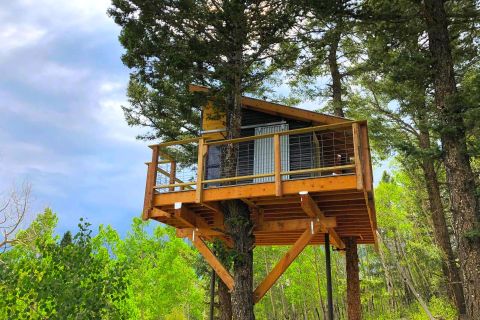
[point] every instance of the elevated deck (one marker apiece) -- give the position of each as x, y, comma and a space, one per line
295, 180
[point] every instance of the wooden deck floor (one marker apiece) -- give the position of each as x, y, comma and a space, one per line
278, 220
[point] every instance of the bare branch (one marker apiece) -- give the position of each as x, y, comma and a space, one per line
14, 210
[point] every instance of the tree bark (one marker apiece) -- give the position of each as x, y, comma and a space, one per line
224, 296
211, 315
236, 213
460, 179
240, 229
440, 228
224, 301
335, 72
354, 306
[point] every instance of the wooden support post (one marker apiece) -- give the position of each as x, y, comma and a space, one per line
358, 155
213, 261
151, 181
354, 307
285, 262
328, 271
278, 165
312, 210
367, 160
173, 170
202, 150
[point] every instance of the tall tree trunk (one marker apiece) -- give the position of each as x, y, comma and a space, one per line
211, 315
354, 306
240, 228
237, 214
224, 301
335, 71
224, 296
460, 179
440, 228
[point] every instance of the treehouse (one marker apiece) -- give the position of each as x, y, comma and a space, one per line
303, 174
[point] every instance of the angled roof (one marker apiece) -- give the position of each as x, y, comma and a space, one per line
282, 110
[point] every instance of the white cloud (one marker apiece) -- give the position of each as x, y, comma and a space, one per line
13, 37
81, 14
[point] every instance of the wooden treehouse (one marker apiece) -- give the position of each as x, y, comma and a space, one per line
303, 174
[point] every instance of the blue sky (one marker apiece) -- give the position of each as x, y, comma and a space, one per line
62, 129
61, 126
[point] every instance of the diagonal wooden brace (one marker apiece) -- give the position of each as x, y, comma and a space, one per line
285, 262
213, 261
312, 210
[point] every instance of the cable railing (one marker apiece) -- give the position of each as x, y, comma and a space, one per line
272, 155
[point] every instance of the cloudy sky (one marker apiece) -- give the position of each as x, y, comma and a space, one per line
61, 127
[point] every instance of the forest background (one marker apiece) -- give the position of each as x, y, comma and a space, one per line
362, 60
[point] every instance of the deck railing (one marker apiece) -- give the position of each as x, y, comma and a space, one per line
276, 156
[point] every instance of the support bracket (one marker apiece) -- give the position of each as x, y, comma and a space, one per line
312, 210
212, 260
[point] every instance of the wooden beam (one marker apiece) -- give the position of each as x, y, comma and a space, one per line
367, 160
188, 232
250, 203
321, 184
202, 150
357, 153
188, 217
335, 239
310, 206
277, 165
312, 210
157, 213
212, 260
218, 218
285, 262
192, 220
372, 218
294, 224
150, 183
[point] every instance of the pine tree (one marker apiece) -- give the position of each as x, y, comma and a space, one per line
229, 46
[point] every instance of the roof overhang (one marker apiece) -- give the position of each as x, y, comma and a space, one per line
282, 110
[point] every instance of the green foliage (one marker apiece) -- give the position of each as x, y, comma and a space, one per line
440, 308
143, 276
159, 272
60, 280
